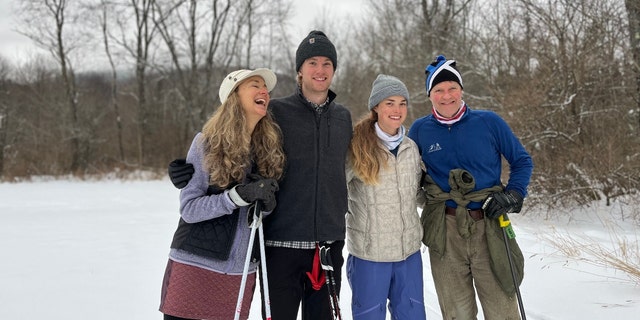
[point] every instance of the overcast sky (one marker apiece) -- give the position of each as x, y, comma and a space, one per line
11, 42
14, 46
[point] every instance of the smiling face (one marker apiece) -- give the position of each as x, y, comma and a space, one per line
391, 114
446, 97
317, 74
254, 98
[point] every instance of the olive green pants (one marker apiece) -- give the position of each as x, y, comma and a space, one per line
465, 270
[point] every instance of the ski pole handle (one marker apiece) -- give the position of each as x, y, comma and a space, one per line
254, 214
504, 221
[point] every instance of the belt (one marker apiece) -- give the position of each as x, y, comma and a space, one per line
474, 214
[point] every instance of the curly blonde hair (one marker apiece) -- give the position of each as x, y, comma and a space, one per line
366, 155
229, 148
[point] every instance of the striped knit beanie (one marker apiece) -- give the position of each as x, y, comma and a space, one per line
441, 70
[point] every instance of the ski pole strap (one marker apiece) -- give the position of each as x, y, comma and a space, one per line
316, 276
505, 223
254, 214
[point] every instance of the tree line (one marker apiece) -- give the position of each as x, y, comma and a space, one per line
563, 73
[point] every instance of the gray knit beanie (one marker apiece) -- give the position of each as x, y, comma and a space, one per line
316, 44
386, 86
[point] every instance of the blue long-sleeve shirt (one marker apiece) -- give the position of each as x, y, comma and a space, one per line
475, 143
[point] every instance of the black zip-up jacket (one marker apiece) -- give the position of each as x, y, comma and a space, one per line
312, 200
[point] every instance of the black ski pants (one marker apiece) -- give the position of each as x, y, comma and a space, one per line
289, 284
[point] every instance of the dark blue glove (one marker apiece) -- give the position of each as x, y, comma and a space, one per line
180, 172
499, 203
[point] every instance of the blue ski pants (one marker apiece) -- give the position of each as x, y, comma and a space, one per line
373, 283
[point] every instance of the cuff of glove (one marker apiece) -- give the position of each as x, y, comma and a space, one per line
235, 197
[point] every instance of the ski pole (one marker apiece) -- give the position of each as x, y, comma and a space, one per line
257, 217
327, 266
263, 265
508, 233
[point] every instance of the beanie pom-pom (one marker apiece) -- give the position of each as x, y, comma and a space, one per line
440, 60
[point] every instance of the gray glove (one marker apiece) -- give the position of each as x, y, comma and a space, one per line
270, 204
259, 189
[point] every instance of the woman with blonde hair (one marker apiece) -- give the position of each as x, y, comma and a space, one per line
383, 227
237, 160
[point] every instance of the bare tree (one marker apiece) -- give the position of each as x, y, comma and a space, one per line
106, 8
46, 23
136, 34
193, 35
555, 70
38, 114
4, 111
633, 14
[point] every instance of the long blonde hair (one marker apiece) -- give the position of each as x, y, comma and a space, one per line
366, 155
229, 148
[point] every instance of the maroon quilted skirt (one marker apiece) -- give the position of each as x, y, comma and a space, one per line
196, 293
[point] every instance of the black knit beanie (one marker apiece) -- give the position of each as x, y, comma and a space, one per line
316, 44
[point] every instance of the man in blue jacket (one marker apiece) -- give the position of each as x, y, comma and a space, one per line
453, 139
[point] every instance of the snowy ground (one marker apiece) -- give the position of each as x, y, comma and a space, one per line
97, 250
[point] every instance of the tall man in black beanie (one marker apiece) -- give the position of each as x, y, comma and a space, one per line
312, 200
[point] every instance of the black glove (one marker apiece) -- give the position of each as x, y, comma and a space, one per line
259, 189
499, 203
180, 172
269, 204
